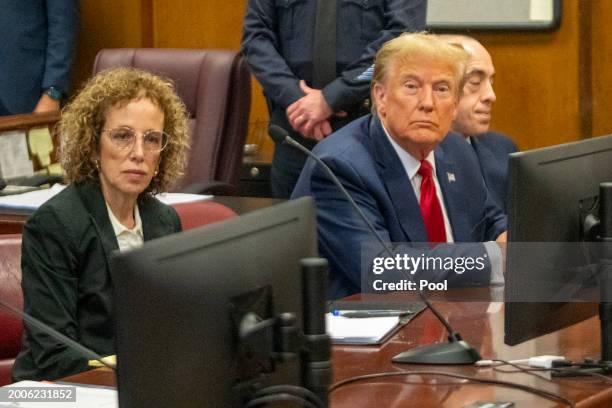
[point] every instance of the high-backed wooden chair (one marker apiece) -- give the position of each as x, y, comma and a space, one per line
215, 85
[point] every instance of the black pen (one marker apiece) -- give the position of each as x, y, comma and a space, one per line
371, 313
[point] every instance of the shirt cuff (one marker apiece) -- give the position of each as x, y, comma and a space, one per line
495, 257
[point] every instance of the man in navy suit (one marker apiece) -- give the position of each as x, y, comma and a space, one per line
413, 182
36, 51
474, 118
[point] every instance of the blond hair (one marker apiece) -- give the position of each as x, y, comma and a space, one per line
83, 120
420, 46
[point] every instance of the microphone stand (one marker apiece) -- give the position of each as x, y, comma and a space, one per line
82, 350
457, 350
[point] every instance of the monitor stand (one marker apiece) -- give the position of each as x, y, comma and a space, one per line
605, 272
601, 230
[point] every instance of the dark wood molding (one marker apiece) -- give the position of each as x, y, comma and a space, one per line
585, 71
146, 12
28, 120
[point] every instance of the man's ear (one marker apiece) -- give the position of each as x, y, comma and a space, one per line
379, 92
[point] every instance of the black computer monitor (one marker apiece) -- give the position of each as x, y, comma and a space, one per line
549, 268
182, 300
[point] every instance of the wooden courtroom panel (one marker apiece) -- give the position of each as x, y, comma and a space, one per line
198, 24
106, 24
208, 24
537, 82
28, 120
601, 51
541, 98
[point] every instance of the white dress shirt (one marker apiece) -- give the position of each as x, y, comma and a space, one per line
412, 165
127, 238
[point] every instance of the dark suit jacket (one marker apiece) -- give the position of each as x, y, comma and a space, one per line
66, 280
493, 150
278, 37
38, 38
369, 168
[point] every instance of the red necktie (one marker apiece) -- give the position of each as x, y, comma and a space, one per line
430, 206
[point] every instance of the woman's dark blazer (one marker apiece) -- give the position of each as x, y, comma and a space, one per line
66, 280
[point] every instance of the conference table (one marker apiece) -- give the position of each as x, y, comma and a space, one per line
481, 324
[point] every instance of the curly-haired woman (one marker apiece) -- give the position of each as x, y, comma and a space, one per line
124, 138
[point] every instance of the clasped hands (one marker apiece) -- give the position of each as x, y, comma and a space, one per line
310, 114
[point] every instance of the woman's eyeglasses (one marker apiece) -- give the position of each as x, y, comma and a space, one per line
123, 138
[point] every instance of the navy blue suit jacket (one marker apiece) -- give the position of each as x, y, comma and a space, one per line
278, 37
37, 44
364, 160
493, 150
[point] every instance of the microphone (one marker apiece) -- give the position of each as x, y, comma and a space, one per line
82, 350
456, 351
280, 135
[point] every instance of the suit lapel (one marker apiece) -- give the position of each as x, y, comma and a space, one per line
92, 198
397, 184
153, 224
452, 192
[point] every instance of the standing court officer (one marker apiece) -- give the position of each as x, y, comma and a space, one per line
312, 59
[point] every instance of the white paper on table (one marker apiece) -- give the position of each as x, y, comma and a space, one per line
177, 198
366, 330
86, 397
34, 199
31, 200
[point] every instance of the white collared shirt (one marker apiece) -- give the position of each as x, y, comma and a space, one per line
127, 238
412, 165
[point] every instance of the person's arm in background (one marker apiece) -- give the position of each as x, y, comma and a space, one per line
349, 89
400, 16
260, 45
62, 30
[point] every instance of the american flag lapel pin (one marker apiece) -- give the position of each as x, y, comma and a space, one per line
451, 177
